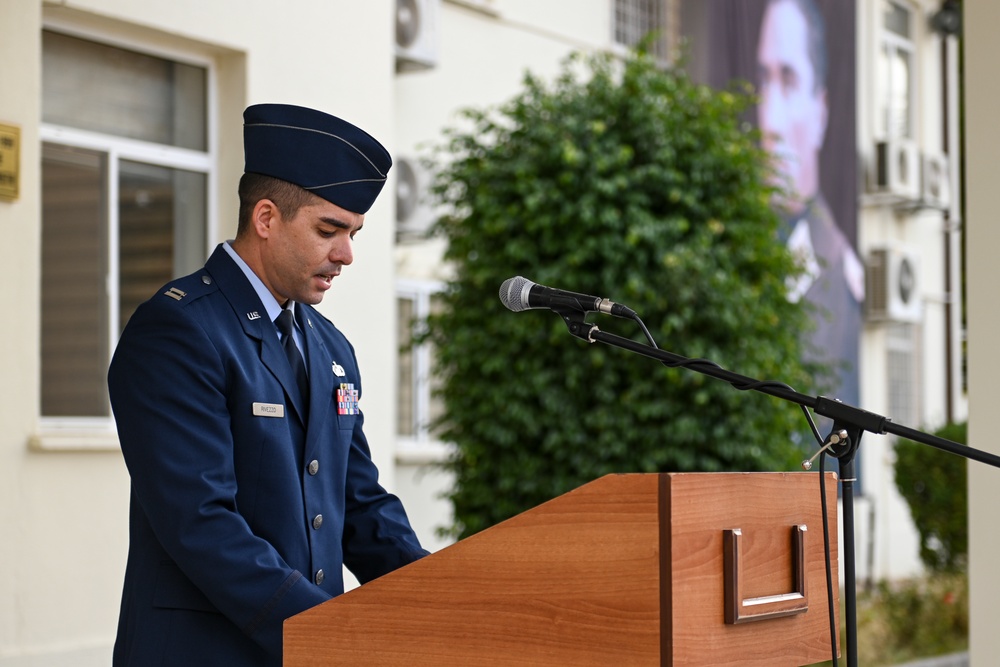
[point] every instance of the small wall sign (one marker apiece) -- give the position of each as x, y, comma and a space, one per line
10, 162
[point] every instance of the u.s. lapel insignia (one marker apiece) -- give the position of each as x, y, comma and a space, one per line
253, 316
338, 370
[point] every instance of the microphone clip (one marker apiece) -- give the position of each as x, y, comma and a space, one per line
836, 438
577, 323
842, 443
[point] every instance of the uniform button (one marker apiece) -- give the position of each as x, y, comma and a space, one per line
317, 521
313, 467
207, 280
319, 577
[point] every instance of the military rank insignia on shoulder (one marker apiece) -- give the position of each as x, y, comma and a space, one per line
195, 285
175, 293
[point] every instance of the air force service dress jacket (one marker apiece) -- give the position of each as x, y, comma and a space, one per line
241, 513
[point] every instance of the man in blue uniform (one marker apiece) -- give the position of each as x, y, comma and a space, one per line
252, 480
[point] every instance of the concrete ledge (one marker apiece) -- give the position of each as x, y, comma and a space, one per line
950, 660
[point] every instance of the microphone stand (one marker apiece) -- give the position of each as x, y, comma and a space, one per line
847, 419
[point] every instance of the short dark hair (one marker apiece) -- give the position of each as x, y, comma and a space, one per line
288, 197
816, 25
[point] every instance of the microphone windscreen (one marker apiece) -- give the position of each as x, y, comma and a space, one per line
513, 293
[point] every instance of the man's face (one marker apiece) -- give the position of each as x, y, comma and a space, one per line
792, 113
302, 255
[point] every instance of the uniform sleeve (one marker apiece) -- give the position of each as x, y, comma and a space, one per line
378, 537
167, 383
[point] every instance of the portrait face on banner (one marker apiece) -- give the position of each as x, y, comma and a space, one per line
792, 111
799, 56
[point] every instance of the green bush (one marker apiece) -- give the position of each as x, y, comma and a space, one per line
628, 181
908, 620
933, 483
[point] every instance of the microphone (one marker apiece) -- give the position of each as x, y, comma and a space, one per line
519, 294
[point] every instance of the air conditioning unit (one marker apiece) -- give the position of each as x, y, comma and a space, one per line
416, 34
897, 169
935, 181
892, 285
414, 215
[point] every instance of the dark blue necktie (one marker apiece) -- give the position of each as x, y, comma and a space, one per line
285, 325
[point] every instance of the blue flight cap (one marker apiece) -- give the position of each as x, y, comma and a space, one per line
320, 153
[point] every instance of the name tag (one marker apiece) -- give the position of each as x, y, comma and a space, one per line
268, 410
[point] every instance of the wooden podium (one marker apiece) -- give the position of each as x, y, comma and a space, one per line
633, 569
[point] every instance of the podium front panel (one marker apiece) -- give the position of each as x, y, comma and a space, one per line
626, 570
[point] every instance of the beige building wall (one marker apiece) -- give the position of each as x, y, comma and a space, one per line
26, 536
982, 146
887, 543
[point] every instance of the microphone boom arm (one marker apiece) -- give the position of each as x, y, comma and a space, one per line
843, 414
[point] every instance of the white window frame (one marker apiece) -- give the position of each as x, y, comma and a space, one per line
903, 372
422, 447
669, 12
896, 43
99, 433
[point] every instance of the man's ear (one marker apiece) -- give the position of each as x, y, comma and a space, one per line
265, 215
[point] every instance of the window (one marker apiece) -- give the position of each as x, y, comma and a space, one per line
635, 20
903, 373
125, 173
417, 407
895, 73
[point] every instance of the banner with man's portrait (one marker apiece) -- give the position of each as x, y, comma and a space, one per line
800, 57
